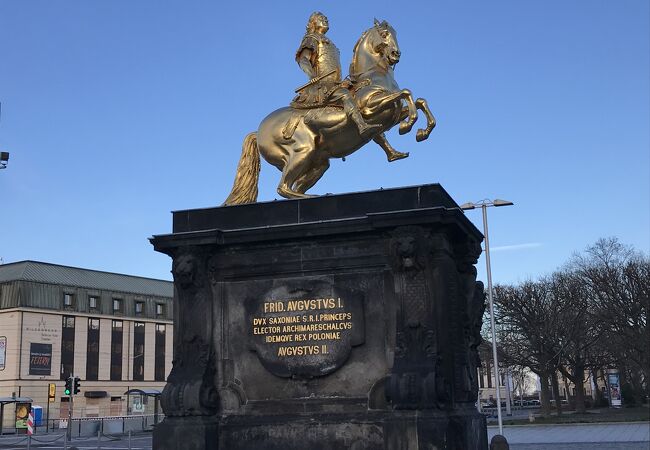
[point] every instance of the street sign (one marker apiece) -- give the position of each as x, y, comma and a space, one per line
51, 392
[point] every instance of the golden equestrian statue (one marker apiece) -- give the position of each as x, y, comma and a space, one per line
331, 117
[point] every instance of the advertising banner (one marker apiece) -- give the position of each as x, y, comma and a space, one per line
613, 380
22, 413
40, 359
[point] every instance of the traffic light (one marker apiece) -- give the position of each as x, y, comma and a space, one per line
77, 384
68, 386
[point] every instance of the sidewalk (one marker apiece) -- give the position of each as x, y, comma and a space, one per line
575, 433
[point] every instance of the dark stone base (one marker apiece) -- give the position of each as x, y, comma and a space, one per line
339, 322
385, 430
186, 433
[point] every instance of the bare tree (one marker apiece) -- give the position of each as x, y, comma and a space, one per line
581, 330
618, 281
521, 382
587, 316
528, 331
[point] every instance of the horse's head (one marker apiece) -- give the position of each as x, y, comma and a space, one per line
376, 47
383, 39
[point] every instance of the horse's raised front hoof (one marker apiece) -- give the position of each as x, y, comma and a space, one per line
405, 127
397, 156
421, 135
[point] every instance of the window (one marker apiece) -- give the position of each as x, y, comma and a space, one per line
117, 305
139, 307
68, 301
92, 358
93, 302
67, 347
117, 338
160, 309
138, 351
159, 363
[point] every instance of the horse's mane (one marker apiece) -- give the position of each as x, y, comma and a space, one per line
353, 75
377, 26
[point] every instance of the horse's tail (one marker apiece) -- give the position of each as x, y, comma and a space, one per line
244, 189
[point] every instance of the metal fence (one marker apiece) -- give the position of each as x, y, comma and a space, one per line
90, 426
60, 440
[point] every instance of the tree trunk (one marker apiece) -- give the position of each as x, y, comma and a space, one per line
555, 385
544, 394
598, 393
567, 391
579, 375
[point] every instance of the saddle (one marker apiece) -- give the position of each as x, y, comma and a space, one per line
314, 101
317, 117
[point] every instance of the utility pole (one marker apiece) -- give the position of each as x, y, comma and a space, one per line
70, 388
484, 204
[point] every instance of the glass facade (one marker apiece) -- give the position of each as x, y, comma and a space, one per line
138, 351
92, 357
159, 363
67, 347
117, 339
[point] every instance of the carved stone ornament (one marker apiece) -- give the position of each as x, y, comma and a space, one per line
190, 388
412, 384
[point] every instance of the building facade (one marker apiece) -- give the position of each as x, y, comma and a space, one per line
111, 330
487, 386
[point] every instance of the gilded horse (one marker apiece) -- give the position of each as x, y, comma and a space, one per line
317, 135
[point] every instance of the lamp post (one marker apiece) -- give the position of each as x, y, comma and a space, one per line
484, 204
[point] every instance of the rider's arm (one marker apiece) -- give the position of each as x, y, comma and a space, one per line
304, 61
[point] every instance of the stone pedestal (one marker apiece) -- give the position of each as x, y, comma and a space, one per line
338, 322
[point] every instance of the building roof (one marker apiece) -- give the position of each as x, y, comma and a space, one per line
41, 272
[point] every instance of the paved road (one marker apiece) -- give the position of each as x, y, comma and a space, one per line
604, 436
590, 446
595, 436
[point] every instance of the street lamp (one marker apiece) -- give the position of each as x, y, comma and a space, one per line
4, 159
484, 204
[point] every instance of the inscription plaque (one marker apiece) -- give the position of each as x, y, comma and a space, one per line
305, 331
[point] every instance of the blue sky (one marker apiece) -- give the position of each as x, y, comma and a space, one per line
117, 112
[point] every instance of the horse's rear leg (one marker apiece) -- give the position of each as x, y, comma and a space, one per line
297, 166
391, 153
305, 182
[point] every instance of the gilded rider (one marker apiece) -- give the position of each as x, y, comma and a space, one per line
319, 58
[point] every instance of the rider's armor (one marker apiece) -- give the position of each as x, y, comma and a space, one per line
330, 90
325, 58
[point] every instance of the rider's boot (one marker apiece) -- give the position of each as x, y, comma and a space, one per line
364, 128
